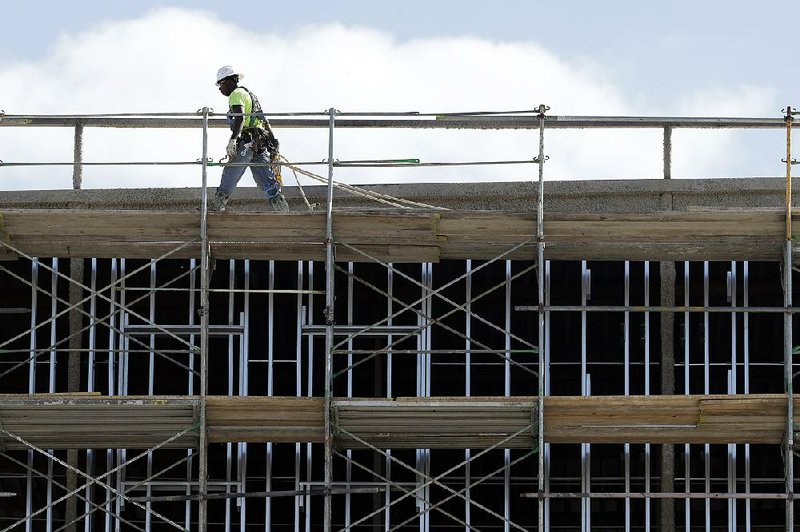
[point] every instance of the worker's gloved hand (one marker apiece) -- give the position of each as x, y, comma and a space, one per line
273, 146
231, 149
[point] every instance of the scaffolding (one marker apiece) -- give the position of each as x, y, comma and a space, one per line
187, 426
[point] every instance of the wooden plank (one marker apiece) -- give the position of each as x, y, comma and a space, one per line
401, 236
455, 422
81, 421
666, 419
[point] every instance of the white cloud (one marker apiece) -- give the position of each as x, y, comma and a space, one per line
165, 62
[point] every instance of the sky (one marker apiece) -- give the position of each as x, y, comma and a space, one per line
616, 58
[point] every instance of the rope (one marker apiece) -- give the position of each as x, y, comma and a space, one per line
297, 179
365, 193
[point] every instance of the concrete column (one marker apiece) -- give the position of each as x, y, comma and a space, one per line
74, 378
75, 325
667, 388
667, 270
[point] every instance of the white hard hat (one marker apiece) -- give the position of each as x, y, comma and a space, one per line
226, 72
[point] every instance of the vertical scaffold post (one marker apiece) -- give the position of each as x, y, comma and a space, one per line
202, 515
788, 451
329, 301
540, 281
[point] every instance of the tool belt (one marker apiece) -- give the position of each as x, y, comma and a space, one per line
260, 140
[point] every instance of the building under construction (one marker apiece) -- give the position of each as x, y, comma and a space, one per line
593, 355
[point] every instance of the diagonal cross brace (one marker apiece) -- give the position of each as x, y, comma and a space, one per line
398, 487
435, 480
445, 298
99, 293
76, 307
62, 486
97, 480
464, 489
434, 292
437, 321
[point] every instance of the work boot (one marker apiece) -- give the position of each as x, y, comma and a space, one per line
219, 201
279, 203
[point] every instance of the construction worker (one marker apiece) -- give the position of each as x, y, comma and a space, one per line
251, 138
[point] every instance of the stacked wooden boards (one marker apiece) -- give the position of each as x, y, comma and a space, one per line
438, 422
667, 419
265, 419
398, 236
80, 421
666, 235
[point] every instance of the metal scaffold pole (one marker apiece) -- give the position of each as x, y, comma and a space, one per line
204, 283
329, 301
788, 451
540, 282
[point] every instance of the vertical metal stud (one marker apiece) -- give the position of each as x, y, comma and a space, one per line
626, 356
468, 387
547, 391
151, 386
507, 393
389, 393
310, 386
706, 391
90, 387
746, 364
111, 375
586, 503
732, 390
187, 518
244, 386
647, 478
51, 388
349, 466
31, 390
229, 445
687, 450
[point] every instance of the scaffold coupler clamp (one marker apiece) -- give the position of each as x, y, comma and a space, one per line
332, 242
796, 430
535, 427
327, 315
542, 109
202, 311
336, 431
